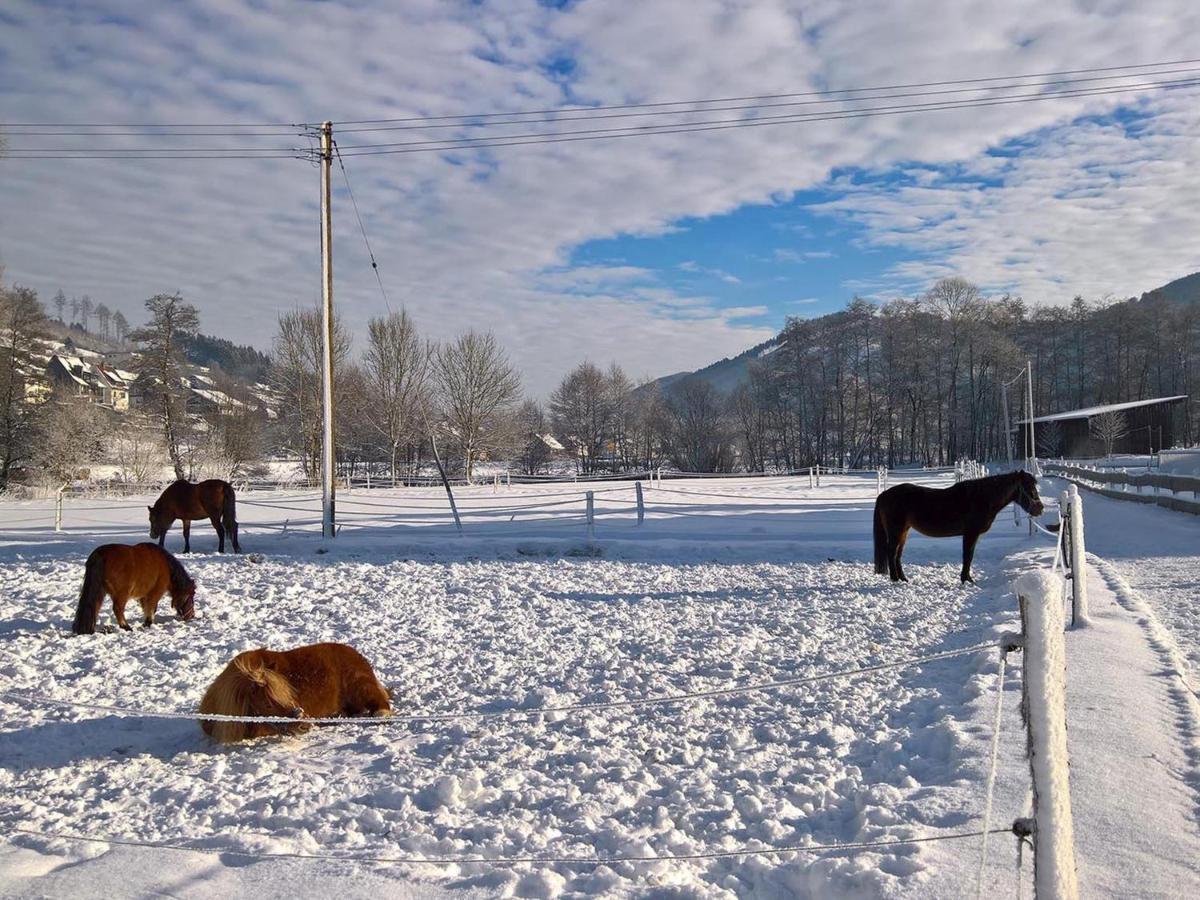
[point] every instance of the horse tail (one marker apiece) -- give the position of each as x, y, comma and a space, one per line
91, 595
881, 560
234, 691
229, 516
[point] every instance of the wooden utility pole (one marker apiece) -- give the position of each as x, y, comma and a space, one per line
1031, 457
328, 474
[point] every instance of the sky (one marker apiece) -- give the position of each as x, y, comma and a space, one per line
661, 253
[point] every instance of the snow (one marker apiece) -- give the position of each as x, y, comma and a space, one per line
728, 582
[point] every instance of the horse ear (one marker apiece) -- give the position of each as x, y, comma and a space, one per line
151, 508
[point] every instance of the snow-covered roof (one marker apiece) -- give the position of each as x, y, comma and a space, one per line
1088, 411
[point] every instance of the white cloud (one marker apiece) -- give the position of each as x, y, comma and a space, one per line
485, 239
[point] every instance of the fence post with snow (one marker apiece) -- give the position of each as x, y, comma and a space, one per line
1044, 702
1075, 554
641, 503
591, 516
58, 503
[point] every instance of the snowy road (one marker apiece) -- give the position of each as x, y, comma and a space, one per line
745, 582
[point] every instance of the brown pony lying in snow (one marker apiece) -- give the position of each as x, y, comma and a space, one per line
318, 681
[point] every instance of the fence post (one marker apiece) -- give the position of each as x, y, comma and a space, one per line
591, 516
818, 470
1044, 701
58, 508
810, 477
1079, 597
640, 502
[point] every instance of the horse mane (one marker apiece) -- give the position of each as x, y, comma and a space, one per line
234, 692
180, 580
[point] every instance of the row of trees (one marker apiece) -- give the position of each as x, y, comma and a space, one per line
110, 324
921, 380
403, 392
911, 381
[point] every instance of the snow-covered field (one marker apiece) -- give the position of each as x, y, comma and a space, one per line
728, 583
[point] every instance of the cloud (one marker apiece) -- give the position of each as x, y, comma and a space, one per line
694, 267
1095, 208
485, 238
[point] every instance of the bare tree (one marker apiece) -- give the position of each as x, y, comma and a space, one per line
533, 453
60, 304
70, 433
103, 317
296, 375
700, 434
581, 409
1050, 439
120, 325
85, 310
1107, 428
477, 388
22, 323
161, 375
74, 309
138, 450
396, 367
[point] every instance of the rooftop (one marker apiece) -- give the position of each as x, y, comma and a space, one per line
1089, 411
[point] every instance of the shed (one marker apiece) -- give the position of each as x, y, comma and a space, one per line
1144, 426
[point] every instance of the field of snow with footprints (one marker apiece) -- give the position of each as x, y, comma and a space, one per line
593, 715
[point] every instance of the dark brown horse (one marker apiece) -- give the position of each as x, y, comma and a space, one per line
213, 500
315, 682
140, 572
968, 509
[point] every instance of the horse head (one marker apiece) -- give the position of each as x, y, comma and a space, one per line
183, 599
157, 526
1027, 494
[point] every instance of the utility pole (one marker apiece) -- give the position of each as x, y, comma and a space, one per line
1032, 455
328, 527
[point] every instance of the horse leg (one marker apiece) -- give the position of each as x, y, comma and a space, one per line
900, 542
220, 530
187, 535
970, 539
119, 601
149, 607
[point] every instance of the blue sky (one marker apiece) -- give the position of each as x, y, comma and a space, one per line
771, 261
661, 253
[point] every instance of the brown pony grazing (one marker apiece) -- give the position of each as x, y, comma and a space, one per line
968, 509
123, 572
315, 682
213, 500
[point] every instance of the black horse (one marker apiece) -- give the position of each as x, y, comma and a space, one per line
968, 509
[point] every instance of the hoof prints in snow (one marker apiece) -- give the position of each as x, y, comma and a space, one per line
843, 761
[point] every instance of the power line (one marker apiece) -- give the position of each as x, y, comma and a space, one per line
554, 118
722, 125
623, 131
889, 87
361, 227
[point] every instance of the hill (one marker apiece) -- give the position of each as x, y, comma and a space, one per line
728, 373
1181, 290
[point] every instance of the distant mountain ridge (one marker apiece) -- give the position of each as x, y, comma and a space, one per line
1181, 290
728, 373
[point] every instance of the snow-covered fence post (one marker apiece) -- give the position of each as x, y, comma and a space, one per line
1044, 702
58, 500
641, 504
811, 483
591, 516
1079, 597
878, 482
818, 468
